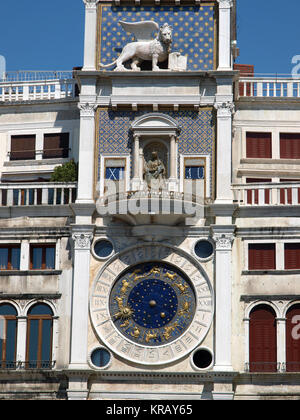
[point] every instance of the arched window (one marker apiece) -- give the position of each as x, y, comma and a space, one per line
8, 335
39, 337
262, 340
293, 339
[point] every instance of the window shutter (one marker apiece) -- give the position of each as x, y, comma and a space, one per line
290, 145
292, 256
259, 145
262, 340
56, 145
262, 257
22, 147
289, 192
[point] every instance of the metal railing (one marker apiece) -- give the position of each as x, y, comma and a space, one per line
267, 194
33, 75
33, 194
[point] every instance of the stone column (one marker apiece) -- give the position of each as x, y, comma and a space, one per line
225, 34
136, 181
281, 343
85, 193
223, 236
224, 150
173, 166
21, 339
90, 34
82, 237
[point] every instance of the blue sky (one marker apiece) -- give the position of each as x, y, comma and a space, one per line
48, 35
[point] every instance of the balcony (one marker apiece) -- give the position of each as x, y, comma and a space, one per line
36, 86
267, 194
37, 194
269, 87
152, 207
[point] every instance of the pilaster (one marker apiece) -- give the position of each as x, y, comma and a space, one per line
82, 237
224, 151
90, 34
223, 237
225, 62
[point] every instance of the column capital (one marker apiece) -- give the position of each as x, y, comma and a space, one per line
87, 110
223, 238
224, 109
82, 240
91, 4
225, 4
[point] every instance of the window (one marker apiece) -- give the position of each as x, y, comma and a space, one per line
252, 195
114, 173
259, 145
194, 172
292, 256
292, 339
262, 340
22, 147
42, 257
290, 145
262, 257
56, 145
8, 336
39, 337
10, 257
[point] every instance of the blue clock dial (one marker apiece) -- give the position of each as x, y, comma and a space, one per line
152, 304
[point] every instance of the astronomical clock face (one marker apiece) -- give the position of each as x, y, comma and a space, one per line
153, 312
152, 304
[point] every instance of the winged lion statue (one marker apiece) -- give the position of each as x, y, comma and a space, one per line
145, 48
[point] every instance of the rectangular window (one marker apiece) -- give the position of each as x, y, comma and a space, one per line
56, 146
194, 172
259, 145
42, 257
114, 173
292, 256
290, 145
22, 147
10, 257
262, 257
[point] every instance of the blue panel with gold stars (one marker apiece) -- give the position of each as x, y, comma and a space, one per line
152, 304
193, 31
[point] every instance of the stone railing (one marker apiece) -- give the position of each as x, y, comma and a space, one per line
34, 90
269, 87
35, 194
267, 194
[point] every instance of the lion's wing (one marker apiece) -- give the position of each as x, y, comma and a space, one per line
141, 30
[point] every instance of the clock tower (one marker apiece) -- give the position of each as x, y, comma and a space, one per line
153, 231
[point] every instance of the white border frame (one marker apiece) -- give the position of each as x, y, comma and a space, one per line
102, 238
207, 240
208, 367
89, 359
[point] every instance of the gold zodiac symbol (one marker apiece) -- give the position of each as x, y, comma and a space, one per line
125, 324
185, 309
136, 332
182, 287
154, 270
149, 336
169, 330
171, 276
125, 286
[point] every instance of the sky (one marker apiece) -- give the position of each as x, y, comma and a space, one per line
48, 35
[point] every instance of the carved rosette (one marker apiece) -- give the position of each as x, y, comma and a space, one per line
82, 240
